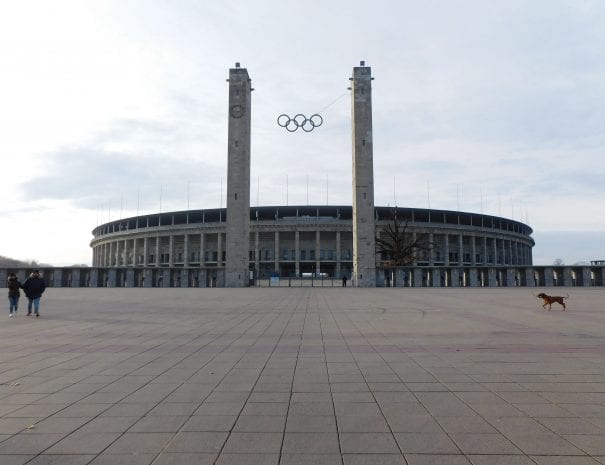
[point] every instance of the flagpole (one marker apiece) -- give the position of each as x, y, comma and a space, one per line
428, 192
481, 196
307, 189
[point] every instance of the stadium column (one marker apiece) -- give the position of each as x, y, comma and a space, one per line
297, 253
256, 253
364, 241
219, 250
157, 251
276, 252
338, 254
238, 179
317, 253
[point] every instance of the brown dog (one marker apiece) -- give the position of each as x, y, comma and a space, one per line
551, 299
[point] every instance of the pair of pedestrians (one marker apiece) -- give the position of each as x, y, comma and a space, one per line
33, 287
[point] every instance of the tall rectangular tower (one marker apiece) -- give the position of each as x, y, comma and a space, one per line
364, 241
238, 179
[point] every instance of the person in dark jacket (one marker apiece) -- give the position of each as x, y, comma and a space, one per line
13, 285
34, 287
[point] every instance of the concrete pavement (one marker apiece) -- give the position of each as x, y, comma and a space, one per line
304, 376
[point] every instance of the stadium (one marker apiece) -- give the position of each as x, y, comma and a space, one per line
306, 241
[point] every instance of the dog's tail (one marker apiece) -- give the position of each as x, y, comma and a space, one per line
566, 297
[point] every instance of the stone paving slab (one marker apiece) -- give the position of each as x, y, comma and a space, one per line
304, 376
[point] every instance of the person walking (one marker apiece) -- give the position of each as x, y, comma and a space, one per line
13, 285
34, 287
344, 280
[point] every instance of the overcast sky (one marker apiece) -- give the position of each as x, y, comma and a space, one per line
110, 108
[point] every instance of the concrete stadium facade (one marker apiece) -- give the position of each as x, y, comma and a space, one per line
301, 241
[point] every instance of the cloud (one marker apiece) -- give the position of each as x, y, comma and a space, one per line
90, 176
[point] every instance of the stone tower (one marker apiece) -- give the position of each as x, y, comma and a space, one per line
238, 179
364, 242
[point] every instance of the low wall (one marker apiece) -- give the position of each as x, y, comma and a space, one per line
502, 276
123, 277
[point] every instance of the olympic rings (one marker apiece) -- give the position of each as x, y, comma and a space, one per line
300, 121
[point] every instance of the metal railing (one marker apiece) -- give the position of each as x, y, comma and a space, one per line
311, 281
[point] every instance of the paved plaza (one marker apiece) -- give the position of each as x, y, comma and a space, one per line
328, 376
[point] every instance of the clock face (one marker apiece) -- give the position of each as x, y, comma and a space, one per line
237, 111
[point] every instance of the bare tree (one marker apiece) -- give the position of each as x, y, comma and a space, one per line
558, 262
398, 246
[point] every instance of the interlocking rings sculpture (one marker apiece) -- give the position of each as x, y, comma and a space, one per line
300, 121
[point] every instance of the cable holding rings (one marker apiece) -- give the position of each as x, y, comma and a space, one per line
300, 121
